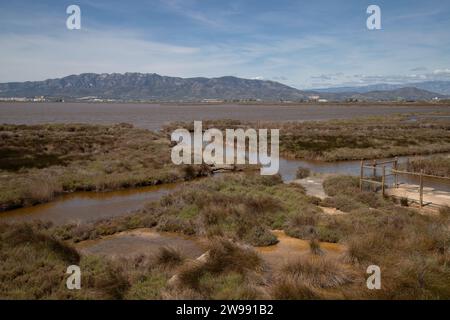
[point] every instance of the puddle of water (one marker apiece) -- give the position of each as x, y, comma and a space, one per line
149, 241
289, 248
142, 241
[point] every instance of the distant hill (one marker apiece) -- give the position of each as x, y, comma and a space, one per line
441, 87
408, 93
151, 86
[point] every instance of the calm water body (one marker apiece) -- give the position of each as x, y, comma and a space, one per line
153, 116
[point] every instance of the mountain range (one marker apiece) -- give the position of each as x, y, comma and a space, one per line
438, 86
402, 93
151, 86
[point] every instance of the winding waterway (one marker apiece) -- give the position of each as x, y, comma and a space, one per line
80, 207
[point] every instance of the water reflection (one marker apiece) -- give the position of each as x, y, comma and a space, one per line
85, 206
153, 116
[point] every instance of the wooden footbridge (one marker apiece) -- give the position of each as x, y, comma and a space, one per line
385, 176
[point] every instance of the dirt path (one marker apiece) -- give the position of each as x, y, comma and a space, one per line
313, 186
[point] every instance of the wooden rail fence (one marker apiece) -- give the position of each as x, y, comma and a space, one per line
390, 168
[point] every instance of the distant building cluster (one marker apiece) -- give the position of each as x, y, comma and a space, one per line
24, 99
316, 98
308, 99
95, 99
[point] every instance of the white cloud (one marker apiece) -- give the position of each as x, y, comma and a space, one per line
442, 71
40, 56
365, 79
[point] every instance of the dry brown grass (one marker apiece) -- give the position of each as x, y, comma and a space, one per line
289, 288
313, 277
169, 257
226, 272
435, 165
320, 272
34, 266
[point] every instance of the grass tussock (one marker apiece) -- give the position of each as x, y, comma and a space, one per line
313, 278
302, 173
227, 272
320, 272
169, 257
445, 212
289, 288
314, 247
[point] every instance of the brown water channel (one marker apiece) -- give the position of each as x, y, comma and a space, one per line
80, 207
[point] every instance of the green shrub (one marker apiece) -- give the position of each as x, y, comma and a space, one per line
148, 286
302, 173
335, 185
169, 257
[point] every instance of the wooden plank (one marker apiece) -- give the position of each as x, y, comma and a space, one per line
371, 181
386, 162
418, 174
361, 175
396, 175
421, 188
374, 168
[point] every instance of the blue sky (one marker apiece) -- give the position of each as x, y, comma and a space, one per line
304, 44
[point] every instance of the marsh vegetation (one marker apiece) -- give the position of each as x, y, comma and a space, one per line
236, 213
438, 165
39, 162
352, 139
